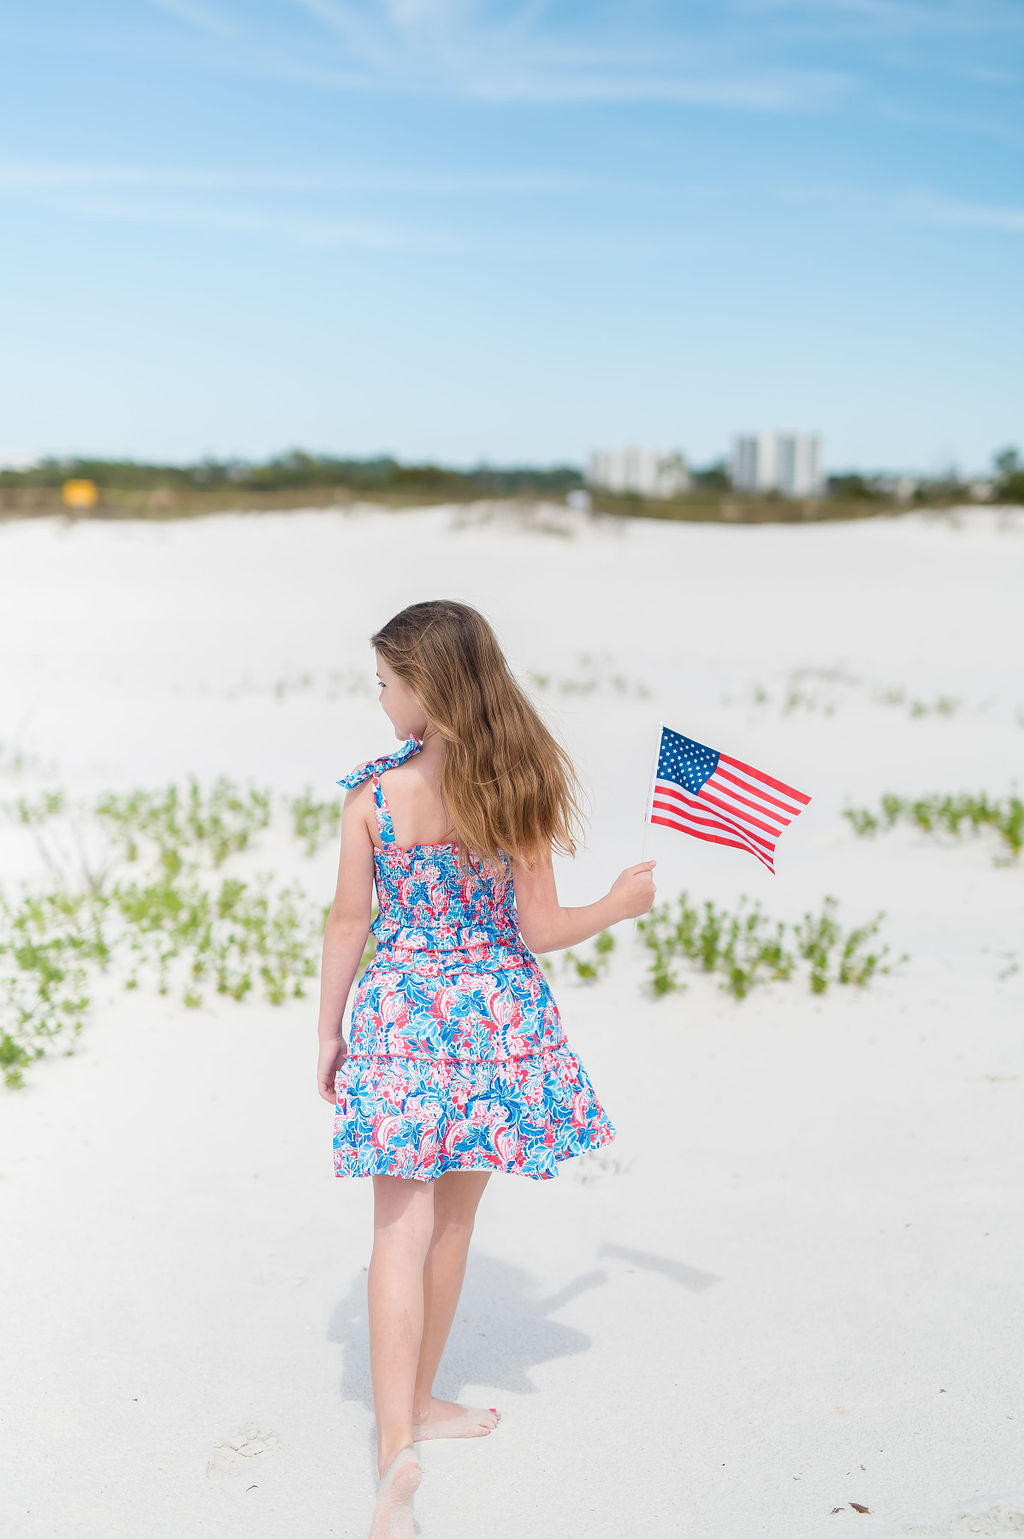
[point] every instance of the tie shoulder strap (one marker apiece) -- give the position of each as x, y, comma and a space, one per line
375, 767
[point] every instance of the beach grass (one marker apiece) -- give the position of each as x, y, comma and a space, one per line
744, 948
140, 895
823, 690
946, 815
592, 674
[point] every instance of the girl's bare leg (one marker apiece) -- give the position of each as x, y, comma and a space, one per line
403, 1212
456, 1196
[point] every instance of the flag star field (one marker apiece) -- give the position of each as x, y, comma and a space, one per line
684, 760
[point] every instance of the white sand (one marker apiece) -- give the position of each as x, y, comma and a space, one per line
792, 1283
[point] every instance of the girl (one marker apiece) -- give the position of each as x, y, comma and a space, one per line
458, 1065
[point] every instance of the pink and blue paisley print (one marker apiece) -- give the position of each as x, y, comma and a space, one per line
457, 1059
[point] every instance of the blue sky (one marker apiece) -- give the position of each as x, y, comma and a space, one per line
462, 230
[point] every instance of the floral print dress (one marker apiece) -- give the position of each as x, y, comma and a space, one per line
456, 1055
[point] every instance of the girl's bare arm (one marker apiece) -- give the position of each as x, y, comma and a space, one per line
546, 926
348, 923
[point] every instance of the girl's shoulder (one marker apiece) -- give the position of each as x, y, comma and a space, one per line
383, 762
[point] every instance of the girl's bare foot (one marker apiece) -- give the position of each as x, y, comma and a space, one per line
445, 1418
392, 1516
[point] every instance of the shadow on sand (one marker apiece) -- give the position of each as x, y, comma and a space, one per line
504, 1325
503, 1328
676, 1271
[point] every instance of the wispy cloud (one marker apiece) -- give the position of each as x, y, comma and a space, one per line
970, 16
767, 92
966, 216
22, 175
154, 196
479, 51
429, 47
513, 242
943, 121
200, 17
915, 205
364, 235
358, 31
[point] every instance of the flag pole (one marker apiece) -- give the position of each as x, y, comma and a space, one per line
647, 804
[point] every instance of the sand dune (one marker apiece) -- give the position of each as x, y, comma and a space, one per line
790, 1284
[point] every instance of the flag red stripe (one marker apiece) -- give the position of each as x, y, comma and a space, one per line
700, 804
698, 833
733, 844
756, 847
691, 824
751, 842
766, 796
727, 807
780, 785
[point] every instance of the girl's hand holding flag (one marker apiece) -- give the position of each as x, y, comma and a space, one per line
633, 889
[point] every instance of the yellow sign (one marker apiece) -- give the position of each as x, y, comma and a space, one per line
80, 494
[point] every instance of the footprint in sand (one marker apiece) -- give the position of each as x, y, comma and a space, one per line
238, 1456
1000, 1518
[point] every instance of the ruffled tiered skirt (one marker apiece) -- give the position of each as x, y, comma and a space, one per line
457, 1061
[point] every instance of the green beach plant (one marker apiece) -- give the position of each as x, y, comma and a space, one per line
313, 822
169, 925
169, 929
826, 690
593, 675
216, 823
745, 948
46, 943
591, 967
952, 815
16, 761
154, 908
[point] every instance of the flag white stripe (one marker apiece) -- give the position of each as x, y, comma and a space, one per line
723, 792
681, 801
779, 787
706, 828
710, 829
757, 789
719, 825
734, 820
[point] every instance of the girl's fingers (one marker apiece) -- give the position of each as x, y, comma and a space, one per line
326, 1087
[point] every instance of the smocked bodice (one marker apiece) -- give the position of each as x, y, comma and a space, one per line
426, 904
427, 907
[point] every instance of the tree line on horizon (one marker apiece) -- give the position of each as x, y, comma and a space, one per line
296, 469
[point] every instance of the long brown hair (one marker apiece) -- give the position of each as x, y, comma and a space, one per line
507, 785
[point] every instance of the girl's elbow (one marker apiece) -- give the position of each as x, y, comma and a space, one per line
539, 937
532, 940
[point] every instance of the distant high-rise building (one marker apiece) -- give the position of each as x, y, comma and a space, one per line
650, 472
778, 462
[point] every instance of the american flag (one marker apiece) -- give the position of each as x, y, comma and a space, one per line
712, 796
